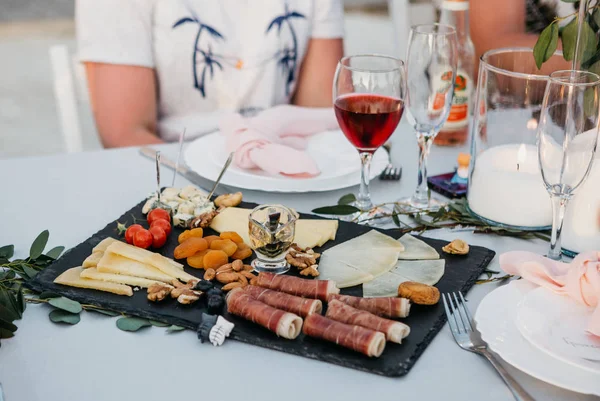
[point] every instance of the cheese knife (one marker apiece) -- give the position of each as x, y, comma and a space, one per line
182, 169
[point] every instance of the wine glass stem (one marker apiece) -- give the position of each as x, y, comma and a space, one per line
363, 202
421, 195
558, 213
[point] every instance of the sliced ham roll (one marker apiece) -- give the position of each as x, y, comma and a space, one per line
280, 300
284, 324
394, 331
317, 289
386, 307
360, 339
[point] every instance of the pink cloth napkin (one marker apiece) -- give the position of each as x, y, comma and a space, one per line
275, 140
579, 279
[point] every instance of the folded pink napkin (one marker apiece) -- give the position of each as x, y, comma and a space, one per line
579, 279
275, 140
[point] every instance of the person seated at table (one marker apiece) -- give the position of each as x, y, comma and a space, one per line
155, 67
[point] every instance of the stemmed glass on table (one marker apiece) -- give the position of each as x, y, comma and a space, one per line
368, 96
567, 137
431, 72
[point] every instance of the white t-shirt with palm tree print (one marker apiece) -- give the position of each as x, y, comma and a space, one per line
209, 55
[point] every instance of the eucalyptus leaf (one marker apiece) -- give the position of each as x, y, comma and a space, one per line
132, 323
7, 313
156, 323
5, 324
48, 294
37, 248
596, 16
104, 312
55, 252
66, 304
61, 316
396, 219
14, 304
21, 301
346, 199
7, 251
29, 271
546, 44
338, 210
174, 328
6, 333
568, 36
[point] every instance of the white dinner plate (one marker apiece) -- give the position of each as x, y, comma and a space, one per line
556, 325
337, 159
495, 320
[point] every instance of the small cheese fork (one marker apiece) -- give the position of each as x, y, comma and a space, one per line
462, 328
390, 173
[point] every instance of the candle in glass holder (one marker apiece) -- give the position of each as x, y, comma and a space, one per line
506, 187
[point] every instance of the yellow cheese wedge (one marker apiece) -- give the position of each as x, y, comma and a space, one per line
94, 274
156, 260
233, 219
105, 243
117, 264
72, 278
92, 260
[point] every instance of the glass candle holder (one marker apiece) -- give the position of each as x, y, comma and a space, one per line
505, 182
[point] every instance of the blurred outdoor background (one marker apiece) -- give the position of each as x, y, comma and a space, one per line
37, 37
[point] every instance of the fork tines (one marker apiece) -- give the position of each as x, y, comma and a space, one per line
391, 173
457, 313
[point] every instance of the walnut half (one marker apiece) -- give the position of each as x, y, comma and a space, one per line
203, 220
184, 292
159, 291
301, 258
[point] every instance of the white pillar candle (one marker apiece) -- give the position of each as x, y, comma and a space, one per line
507, 187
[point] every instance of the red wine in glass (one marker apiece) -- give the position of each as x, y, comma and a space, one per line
368, 120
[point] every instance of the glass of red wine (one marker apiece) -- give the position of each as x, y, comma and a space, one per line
368, 97
431, 63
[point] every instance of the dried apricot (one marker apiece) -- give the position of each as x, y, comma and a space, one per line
197, 260
215, 259
226, 245
196, 232
190, 247
242, 252
232, 235
211, 238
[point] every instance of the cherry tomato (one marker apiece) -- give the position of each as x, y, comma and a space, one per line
131, 230
142, 239
159, 236
158, 214
164, 224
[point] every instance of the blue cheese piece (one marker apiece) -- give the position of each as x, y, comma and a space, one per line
182, 219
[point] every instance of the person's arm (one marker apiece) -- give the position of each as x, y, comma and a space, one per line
124, 101
315, 79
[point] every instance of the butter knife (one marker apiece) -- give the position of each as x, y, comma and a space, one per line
182, 169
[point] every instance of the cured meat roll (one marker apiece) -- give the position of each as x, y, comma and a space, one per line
366, 341
386, 307
280, 300
394, 331
284, 324
317, 289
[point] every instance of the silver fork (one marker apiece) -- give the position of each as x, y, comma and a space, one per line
462, 328
390, 172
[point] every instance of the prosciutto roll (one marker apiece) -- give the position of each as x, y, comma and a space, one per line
386, 307
363, 340
317, 289
284, 324
394, 331
280, 300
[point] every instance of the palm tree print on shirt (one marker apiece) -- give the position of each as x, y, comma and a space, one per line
288, 58
206, 56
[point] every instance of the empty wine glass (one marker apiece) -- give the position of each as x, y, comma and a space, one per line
431, 71
567, 137
368, 96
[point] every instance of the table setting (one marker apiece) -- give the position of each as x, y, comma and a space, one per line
289, 238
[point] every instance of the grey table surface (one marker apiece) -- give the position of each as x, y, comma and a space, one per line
74, 195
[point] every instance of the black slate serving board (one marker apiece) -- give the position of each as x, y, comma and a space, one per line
397, 359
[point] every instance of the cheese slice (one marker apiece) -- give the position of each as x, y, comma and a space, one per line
233, 219
92, 260
117, 264
94, 274
422, 271
72, 278
105, 243
415, 249
156, 260
360, 259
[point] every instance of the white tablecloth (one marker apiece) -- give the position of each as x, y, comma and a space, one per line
75, 195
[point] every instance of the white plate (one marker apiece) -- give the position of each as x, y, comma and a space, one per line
556, 325
495, 319
336, 157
